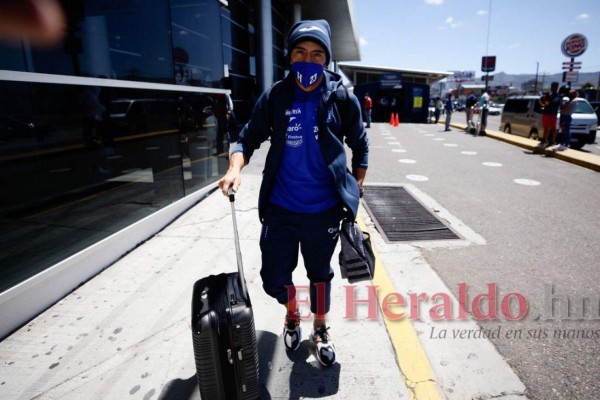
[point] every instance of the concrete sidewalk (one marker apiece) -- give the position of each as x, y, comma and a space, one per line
126, 333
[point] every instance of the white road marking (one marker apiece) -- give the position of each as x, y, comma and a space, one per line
491, 164
417, 178
407, 161
527, 182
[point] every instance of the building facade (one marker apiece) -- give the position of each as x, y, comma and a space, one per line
400, 92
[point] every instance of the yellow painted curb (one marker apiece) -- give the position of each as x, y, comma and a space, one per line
410, 355
590, 161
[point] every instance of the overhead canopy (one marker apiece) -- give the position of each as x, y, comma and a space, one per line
360, 74
340, 15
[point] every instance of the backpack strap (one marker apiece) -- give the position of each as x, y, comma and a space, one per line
341, 97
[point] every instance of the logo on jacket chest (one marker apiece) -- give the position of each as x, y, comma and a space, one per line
298, 127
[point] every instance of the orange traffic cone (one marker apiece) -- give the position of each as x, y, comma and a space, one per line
395, 119
392, 119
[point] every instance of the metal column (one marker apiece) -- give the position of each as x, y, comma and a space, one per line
266, 41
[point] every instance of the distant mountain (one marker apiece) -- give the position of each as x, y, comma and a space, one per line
515, 80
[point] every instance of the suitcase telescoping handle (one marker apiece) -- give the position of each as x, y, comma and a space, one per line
238, 252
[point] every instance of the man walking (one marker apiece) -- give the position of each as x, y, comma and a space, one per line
449, 108
550, 102
368, 107
484, 102
306, 187
469, 105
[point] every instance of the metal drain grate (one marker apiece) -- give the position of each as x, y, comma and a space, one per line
400, 217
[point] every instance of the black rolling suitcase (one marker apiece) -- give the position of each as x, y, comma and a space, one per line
223, 333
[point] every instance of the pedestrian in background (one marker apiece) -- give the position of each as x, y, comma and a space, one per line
306, 188
449, 109
469, 105
438, 109
484, 103
550, 103
566, 116
368, 107
384, 108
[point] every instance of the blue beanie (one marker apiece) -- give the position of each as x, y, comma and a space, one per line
316, 31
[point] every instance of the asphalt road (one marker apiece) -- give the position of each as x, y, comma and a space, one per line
539, 217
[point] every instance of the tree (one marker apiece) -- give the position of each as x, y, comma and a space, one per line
587, 86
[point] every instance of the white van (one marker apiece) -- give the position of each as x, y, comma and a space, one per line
522, 115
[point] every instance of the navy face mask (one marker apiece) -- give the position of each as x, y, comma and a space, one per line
307, 73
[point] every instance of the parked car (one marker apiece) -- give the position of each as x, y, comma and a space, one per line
522, 115
495, 109
459, 106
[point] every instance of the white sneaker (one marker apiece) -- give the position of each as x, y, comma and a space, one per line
292, 333
324, 345
562, 147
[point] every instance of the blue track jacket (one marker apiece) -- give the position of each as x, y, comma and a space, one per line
332, 133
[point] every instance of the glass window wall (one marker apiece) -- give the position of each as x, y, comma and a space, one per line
197, 44
79, 163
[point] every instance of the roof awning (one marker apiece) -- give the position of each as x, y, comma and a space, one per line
425, 76
340, 15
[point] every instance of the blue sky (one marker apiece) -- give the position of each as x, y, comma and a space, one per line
451, 35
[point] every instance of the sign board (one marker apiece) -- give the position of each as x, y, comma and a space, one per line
391, 80
488, 64
571, 67
574, 45
464, 75
417, 98
487, 78
570, 76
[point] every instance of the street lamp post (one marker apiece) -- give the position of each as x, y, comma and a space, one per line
487, 44
537, 67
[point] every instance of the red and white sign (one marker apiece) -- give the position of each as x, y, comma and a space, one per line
571, 76
574, 45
